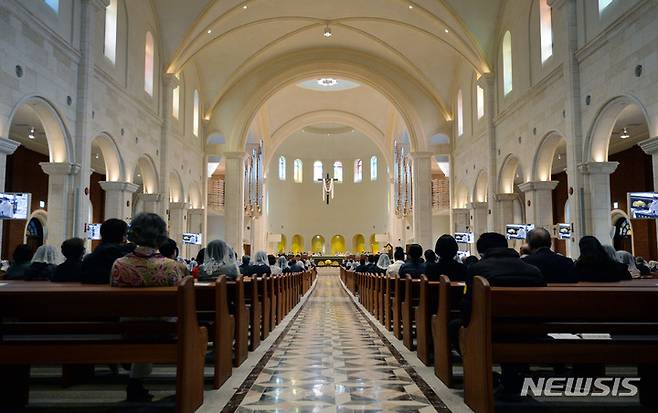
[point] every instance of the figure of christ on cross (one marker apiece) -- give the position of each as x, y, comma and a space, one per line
327, 187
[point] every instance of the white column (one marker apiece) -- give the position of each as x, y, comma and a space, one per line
488, 83
151, 203
422, 197
60, 182
650, 147
7, 147
234, 200
177, 219
505, 207
169, 82
479, 217
597, 198
540, 196
195, 218
118, 196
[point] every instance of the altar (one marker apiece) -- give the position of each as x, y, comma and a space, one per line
327, 260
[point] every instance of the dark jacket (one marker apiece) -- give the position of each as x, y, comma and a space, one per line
258, 270
244, 268
68, 271
40, 271
413, 268
502, 267
374, 269
554, 267
602, 271
96, 266
361, 268
17, 271
294, 268
456, 271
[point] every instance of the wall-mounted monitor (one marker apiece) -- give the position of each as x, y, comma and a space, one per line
192, 238
94, 231
643, 205
14, 205
564, 231
463, 255
518, 231
464, 237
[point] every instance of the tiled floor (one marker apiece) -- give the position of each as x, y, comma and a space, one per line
332, 360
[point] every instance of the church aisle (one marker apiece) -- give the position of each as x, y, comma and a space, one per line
332, 360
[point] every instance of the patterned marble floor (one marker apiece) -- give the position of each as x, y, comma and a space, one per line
332, 360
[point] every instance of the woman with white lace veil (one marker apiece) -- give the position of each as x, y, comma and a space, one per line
282, 262
219, 260
259, 264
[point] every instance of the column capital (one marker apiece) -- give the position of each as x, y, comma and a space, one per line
235, 155
538, 186
59, 168
151, 197
170, 80
479, 205
597, 168
460, 210
420, 155
178, 205
650, 146
118, 186
506, 197
485, 80
8, 146
99, 4
195, 211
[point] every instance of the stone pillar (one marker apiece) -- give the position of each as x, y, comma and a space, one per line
597, 198
422, 197
7, 147
488, 83
479, 216
151, 203
169, 82
505, 207
234, 200
177, 220
195, 220
118, 196
60, 182
650, 147
540, 196
461, 220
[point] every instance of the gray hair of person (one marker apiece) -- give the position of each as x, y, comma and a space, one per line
282, 262
148, 230
260, 258
611, 252
384, 261
47, 254
627, 259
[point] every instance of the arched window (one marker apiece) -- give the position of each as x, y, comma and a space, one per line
317, 171
297, 169
480, 101
175, 101
507, 63
460, 113
545, 30
603, 4
148, 64
282, 168
111, 31
358, 170
195, 113
338, 171
53, 4
373, 168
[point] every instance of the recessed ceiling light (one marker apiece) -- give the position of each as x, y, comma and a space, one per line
446, 30
139, 175
411, 7
209, 31
244, 7
327, 82
327, 32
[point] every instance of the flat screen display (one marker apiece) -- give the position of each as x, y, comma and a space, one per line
464, 237
463, 255
643, 205
94, 231
14, 205
564, 231
191, 238
518, 231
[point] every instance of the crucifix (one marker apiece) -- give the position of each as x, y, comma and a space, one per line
327, 187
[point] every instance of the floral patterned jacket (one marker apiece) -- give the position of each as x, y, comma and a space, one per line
145, 267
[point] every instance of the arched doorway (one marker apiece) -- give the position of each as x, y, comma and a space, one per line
297, 244
359, 244
623, 235
34, 234
317, 244
338, 244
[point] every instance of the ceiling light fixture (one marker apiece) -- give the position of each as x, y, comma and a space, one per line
244, 7
209, 31
327, 82
625, 134
446, 30
31, 134
327, 32
97, 156
411, 7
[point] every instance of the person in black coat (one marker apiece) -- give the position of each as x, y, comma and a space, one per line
362, 267
595, 265
71, 269
244, 267
446, 249
415, 265
96, 266
372, 265
554, 267
260, 265
294, 266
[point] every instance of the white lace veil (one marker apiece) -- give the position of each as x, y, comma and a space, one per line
47, 254
260, 258
218, 255
384, 261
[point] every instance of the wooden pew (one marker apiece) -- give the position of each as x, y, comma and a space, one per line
411, 299
510, 325
255, 311
398, 297
264, 298
389, 292
240, 312
450, 295
273, 282
427, 307
379, 296
97, 336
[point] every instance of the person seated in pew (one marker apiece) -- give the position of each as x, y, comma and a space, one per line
259, 265
219, 259
44, 263
71, 269
372, 264
246, 260
642, 266
300, 262
274, 267
282, 263
470, 260
554, 267
199, 262
363, 265
294, 266
96, 266
628, 260
398, 256
383, 263
446, 248
22, 258
415, 265
595, 264
502, 267
169, 249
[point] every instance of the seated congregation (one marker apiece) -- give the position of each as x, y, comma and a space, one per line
150, 306
535, 314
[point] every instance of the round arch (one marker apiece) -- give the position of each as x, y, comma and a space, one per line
236, 109
149, 174
542, 164
114, 165
60, 147
598, 138
297, 244
481, 187
40, 215
507, 174
338, 244
176, 191
317, 244
359, 243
